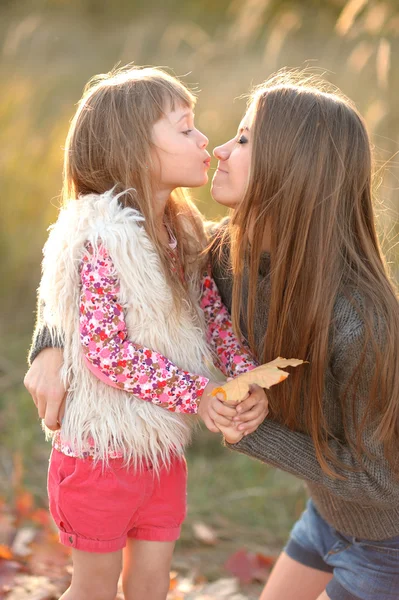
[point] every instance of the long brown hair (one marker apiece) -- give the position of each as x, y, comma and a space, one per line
311, 184
109, 147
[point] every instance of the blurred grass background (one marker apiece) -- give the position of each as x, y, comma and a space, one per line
49, 49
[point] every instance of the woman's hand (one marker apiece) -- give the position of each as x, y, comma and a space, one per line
252, 411
211, 408
44, 384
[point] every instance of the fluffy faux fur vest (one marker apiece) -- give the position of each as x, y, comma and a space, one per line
96, 413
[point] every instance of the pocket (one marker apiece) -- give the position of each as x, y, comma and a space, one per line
61, 469
389, 546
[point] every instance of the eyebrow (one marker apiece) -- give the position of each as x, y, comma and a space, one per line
186, 115
243, 129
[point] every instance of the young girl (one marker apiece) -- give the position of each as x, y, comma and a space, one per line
121, 290
310, 281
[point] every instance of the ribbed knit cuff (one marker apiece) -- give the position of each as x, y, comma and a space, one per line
41, 340
280, 447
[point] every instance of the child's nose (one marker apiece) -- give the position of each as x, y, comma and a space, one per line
203, 141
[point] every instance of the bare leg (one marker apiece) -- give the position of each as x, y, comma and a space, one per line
146, 567
94, 575
290, 580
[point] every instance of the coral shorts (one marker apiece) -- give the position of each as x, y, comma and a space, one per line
96, 509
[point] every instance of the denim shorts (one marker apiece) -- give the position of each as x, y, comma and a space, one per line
362, 569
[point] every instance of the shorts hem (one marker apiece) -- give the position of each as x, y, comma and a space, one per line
86, 545
310, 559
336, 591
155, 534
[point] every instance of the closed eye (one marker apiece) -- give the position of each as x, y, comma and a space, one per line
187, 131
242, 140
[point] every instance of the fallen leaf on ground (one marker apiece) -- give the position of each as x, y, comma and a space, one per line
205, 534
5, 552
23, 538
31, 587
221, 590
8, 571
249, 566
24, 504
173, 580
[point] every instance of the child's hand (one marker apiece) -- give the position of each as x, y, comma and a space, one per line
211, 408
230, 433
252, 411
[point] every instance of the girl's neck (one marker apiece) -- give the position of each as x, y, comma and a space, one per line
163, 233
160, 199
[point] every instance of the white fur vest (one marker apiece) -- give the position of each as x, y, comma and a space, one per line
96, 413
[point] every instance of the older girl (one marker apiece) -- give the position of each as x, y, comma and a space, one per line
310, 281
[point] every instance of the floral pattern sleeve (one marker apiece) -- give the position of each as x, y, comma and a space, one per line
231, 356
115, 359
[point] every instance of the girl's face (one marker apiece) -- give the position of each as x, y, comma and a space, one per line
231, 177
181, 159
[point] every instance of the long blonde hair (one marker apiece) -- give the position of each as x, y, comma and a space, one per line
311, 183
109, 146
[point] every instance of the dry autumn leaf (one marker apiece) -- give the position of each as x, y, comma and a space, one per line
22, 541
173, 580
236, 390
5, 552
266, 375
249, 566
8, 571
24, 504
205, 534
31, 587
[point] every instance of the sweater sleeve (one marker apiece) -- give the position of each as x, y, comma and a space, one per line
232, 356
41, 336
117, 360
369, 479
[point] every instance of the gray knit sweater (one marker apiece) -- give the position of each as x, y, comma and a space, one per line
366, 503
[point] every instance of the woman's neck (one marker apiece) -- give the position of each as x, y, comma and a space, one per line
266, 239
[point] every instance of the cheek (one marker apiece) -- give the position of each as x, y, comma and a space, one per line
229, 189
238, 174
243, 173
167, 165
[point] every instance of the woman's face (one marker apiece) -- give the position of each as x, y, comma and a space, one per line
231, 177
181, 159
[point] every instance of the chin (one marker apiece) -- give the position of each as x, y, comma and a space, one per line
221, 198
196, 182
205, 179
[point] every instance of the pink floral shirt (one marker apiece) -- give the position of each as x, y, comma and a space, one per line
230, 356
121, 363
